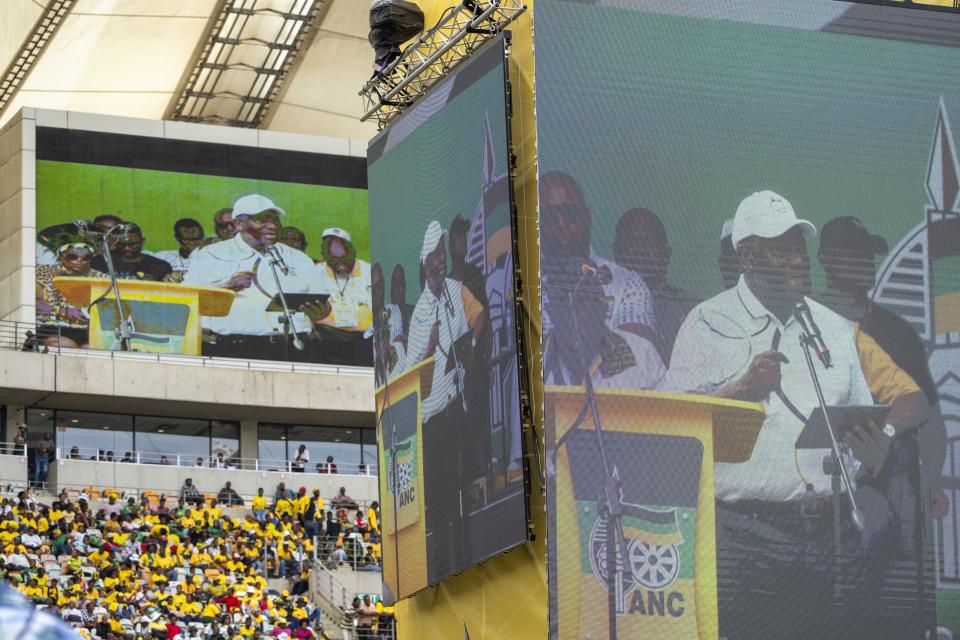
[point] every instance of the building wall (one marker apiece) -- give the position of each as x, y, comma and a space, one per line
124, 383
17, 216
13, 472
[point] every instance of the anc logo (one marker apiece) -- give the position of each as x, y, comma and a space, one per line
653, 560
406, 463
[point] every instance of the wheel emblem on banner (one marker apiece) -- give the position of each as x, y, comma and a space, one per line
649, 565
405, 471
654, 566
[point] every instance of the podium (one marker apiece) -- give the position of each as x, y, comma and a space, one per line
663, 446
166, 316
402, 510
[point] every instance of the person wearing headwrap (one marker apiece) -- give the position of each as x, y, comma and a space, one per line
74, 256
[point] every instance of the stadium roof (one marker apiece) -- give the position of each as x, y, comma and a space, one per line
149, 58
135, 58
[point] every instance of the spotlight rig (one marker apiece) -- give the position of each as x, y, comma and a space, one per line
398, 83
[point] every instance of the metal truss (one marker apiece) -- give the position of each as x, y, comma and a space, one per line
457, 35
248, 51
26, 57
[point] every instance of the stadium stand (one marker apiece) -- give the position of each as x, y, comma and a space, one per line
190, 566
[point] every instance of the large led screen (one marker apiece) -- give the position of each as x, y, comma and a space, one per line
445, 344
202, 238
726, 190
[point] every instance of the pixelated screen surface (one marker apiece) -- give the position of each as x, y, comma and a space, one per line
444, 335
705, 168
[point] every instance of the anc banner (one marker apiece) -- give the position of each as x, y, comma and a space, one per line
399, 428
655, 584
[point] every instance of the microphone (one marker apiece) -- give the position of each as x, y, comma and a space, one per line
278, 259
802, 313
603, 275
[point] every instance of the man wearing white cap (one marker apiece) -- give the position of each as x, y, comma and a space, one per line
774, 511
347, 278
241, 264
449, 324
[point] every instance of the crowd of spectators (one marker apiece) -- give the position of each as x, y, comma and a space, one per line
180, 568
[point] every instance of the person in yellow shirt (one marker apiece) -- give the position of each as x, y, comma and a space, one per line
192, 608
260, 506
302, 501
34, 592
213, 511
200, 559
373, 517
247, 630
211, 611
284, 507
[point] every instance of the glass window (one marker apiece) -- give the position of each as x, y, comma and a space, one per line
272, 447
108, 434
343, 444
39, 422
225, 440
174, 438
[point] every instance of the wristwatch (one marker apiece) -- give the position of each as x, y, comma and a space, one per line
889, 431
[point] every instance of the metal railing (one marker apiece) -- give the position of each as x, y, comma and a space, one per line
123, 493
331, 595
12, 449
203, 462
48, 339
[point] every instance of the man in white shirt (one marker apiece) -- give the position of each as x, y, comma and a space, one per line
242, 264
450, 325
189, 235
31, 539
17, 560
774, 512
445, 313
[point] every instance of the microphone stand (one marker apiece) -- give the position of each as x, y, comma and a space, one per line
276, 260
459, 374
609, 503
836, 465
459, 379
125, 324
124, 330
394, 446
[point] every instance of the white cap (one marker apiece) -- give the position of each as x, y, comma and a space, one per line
431, 238
337, 232
767, 215
727, 229
253, 204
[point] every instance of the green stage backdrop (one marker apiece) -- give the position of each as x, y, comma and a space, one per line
68, 191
